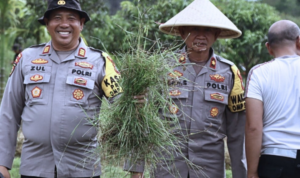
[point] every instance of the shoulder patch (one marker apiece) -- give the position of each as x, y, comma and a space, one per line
236, 101
110, 84
38, 45
225, 60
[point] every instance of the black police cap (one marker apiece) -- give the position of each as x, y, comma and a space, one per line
68, 4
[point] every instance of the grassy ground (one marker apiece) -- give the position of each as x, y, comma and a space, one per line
108, 172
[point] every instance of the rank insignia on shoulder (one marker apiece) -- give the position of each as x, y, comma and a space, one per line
175, 74
39, 61
18, 58
213, 63
80, 81
174, 93
46, 49
217, 78
81, 52
61, 2
78, 94
36, 92
36, 77
84, 65
173, 109
182, 58
214, 111
217, 96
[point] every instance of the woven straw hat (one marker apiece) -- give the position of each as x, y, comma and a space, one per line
201, 13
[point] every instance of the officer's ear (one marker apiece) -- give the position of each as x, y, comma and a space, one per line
46, 21
270, 50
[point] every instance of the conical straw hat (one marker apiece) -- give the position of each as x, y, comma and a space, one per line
201, 13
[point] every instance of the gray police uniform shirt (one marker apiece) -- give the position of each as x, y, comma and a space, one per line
210, 107
57, 102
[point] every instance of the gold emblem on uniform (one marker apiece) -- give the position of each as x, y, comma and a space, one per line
214, 111
46, 49
175, 74
78, 94
84, 65
18, 58
173, 109
36, 92
80, 81
36, 78
39, 61
217, 96
61, 2
182, 59
81, 52
175, 93
217, 78
213, 63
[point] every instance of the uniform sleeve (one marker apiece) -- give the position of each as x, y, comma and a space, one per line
253, 88
235, 126
12, 105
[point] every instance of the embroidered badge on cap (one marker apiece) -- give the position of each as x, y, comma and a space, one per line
46, 49
18, 58
36, 92
182, 58
78, 94
80, 81
175, 74
217, 96
214, 111
84, 65
173, 109
61, 2
217, 78
175, 93
81, 52
36, 77
39, 61
213, 63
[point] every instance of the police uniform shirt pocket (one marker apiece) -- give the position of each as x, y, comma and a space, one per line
79, 89
216, 96
36, 88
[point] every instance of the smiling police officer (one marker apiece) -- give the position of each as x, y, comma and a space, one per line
54, 90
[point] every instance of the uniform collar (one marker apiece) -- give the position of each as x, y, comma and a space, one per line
80, 52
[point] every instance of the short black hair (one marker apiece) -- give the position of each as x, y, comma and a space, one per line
283, 34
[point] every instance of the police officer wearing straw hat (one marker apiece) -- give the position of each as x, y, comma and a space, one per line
54, 89
208, 98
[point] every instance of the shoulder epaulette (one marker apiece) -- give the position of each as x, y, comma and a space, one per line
38, 45
225, 60
98, 50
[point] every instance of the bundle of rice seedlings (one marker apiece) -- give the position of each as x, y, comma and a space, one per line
137, 132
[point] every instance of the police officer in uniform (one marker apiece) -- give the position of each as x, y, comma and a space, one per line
207, 92
54, 90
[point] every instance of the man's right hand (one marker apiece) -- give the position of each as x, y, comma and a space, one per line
4, 172
137, 175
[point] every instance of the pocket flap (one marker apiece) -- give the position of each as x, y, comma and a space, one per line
37, 78
216, 96
81, 82
178, 93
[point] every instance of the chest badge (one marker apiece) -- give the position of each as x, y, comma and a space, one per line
84, 65
36, 92
175, 93
175, 74
46, 49
81, 52
214, 111
39, 61
217, 96
182, 58
173, 109
80, 81
213, 63
217, 78
36, 78
78, 94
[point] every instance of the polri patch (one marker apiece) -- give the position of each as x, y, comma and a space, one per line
217, 77
81, 52
78, 94
84, 65
80, 81
174, 93
36, 92
217, 96
39, 61
36, 77
173, 109
214, 111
